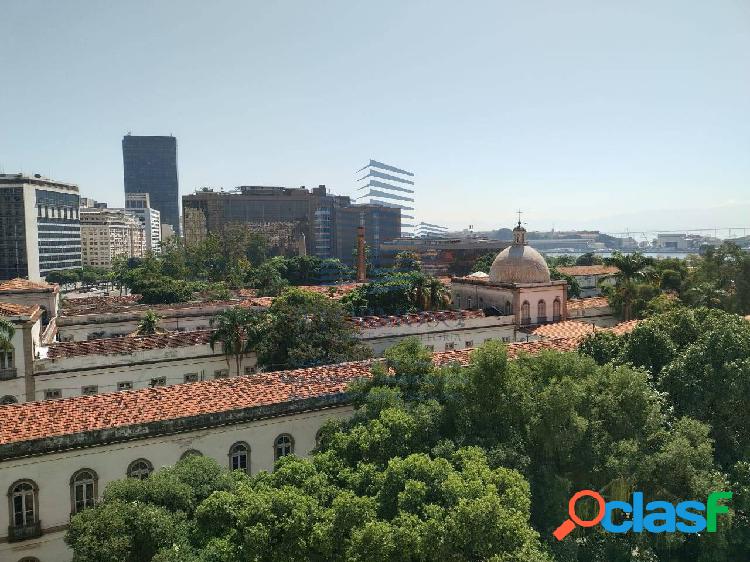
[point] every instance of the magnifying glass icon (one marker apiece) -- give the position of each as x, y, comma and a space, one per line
569, 524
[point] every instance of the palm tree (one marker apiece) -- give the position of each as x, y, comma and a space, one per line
149, 324
634, 268
7, 329
238, 330
437, 294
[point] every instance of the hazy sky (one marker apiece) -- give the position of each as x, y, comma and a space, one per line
604, 114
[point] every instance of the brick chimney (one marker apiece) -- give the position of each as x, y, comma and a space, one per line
361, 262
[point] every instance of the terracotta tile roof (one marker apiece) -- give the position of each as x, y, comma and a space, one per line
126, 345
574, 270
49, 418
565, 329
35, 420
19, 285
131, 303
417, 318
12, 309
461, 356
592, 302
577, 329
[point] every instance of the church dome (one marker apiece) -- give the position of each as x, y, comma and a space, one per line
519, 263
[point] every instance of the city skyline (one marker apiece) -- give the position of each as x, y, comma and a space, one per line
622, 117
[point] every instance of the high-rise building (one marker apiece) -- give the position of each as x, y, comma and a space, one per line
110, 233
286, 216
389, 186
382, 224
40, 230
283, 214
150, 166
139, 204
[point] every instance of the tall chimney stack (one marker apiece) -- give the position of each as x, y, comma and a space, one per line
361, 263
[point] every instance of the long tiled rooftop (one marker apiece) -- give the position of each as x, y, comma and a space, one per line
416, 318
128, 344
52, 418
19, 285
12, 309
591, 302
580, 270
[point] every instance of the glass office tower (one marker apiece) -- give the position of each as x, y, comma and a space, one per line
150, 166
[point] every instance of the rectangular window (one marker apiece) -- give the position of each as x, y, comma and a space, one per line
450, 346
469, 343
221, 373
89, 390
192, 377
250, 370
125, 385
159, 381
52, 394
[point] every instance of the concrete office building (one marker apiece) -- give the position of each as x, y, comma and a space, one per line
382, 224
139, 204
39, 227
150, 166
110, 233
325, 223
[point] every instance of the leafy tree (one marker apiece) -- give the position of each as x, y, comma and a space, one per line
239, 331
397, 293
164, 290
407, 261
267, 279
149, 324
589, 258
484, 263
306, 329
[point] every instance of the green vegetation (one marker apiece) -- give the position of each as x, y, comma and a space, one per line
718, 279
239, 331
7, 330
149, 324
304, 329
474, 463
398, 293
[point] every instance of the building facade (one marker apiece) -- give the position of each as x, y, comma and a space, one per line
139, 204
150, 166
107, 234
287, 217
518, 283
39, 226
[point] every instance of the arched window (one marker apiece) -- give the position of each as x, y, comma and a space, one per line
8, 399
541, 311
191, 453
140, 469
283, 446
239, 456
556, 309
525, 313
508, 308
24, 507
83, 489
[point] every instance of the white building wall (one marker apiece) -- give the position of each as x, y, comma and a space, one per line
52, 472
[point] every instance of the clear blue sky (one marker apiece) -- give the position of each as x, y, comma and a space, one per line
599, 113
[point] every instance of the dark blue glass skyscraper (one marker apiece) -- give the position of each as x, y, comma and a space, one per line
150, 166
